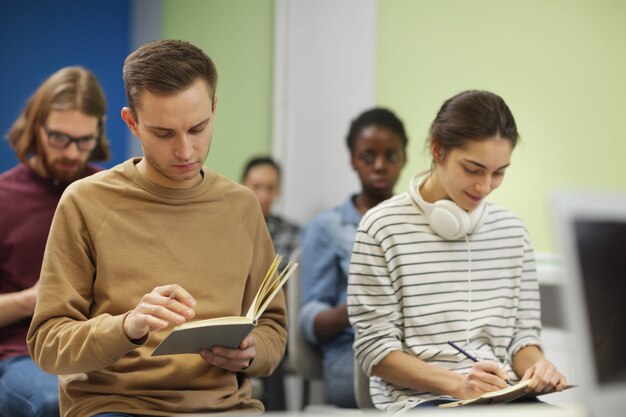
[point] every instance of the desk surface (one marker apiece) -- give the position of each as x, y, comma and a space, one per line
511, 410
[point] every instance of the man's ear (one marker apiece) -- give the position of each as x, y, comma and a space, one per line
129, 119
214, 103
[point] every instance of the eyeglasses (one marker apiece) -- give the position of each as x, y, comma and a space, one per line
63, 140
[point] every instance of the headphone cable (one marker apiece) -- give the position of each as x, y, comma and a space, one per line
469, 303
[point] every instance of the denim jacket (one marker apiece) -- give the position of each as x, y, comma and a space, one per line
327, 243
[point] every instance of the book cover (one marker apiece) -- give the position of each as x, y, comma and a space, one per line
226, 331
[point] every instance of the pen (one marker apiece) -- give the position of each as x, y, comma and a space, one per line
471, 357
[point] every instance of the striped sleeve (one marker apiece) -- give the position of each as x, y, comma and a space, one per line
373, 306
528, 321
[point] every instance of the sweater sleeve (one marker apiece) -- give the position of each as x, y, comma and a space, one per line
63, 338
271, 330
373, 306
528, 321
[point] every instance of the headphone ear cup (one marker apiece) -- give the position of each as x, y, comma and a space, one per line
449, 220
446, 218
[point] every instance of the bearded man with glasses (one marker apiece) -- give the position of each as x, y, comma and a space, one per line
60, 129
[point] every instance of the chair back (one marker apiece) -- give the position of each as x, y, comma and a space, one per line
362, 387
305, 359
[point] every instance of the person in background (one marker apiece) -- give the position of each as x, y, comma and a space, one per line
377, 142
152, 243
263, 176
439, 264
56, 136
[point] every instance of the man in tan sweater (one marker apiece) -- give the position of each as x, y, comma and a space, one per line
153, 243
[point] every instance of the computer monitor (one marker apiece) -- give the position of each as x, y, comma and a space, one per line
591, 239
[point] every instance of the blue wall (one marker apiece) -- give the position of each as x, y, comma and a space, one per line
38, 37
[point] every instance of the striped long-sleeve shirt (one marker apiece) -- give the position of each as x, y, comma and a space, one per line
410, 290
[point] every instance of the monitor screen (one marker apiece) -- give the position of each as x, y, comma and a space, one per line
601, 247
590, 231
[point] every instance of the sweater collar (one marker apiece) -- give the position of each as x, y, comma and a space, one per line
130, 166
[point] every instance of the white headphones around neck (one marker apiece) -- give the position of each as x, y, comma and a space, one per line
445, 217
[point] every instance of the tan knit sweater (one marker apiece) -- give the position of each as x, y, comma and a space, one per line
116, 236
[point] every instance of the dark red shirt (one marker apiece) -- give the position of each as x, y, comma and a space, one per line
27, 205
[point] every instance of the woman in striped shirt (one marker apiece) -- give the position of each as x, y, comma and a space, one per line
439, 264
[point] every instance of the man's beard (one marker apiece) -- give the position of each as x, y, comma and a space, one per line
62, 175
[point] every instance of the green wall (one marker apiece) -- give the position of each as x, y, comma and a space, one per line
559, 64
238, 36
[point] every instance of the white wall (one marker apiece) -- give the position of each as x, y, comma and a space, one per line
324, 77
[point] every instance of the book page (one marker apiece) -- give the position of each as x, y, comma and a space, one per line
271, 273
272, 283
214, 322
501, 396
509, 393
275, 286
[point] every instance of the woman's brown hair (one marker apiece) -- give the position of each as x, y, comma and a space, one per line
472, 115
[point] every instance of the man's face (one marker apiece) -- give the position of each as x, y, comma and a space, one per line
263, 180
65, 164
175, 133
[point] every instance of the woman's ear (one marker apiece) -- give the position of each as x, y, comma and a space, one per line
437, 152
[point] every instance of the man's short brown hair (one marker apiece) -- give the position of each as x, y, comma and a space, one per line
166, 67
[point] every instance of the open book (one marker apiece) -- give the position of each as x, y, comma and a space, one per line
504, 395
226, 331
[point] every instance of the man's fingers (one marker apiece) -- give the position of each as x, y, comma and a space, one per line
234, 354
164, 307
233, 360
177, 293
161, 312
248, 342
156, 323
233, 365
137, 324
180, 308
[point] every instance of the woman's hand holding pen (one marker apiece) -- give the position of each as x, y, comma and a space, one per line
162, 307
485, 376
